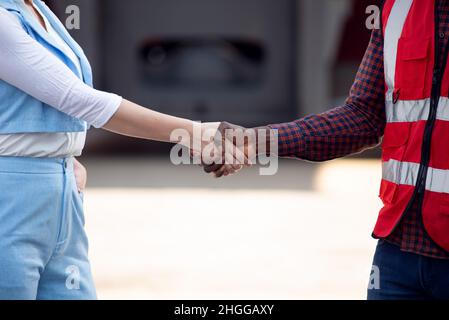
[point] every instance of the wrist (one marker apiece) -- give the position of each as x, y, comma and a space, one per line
263, 140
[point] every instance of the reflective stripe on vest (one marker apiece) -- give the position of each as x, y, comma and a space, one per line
406, 173
415, 110
393, 32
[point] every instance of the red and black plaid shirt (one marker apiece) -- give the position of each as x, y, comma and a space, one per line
359, 125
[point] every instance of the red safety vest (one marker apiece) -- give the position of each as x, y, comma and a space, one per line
416, 142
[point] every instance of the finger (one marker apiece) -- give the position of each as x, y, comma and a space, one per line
240, 156
233, 155
212, 168
229, 159
230, 170
239, 160
220, 172
225, 169
195, 155
250, 161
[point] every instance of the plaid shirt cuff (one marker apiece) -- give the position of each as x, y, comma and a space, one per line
291, 139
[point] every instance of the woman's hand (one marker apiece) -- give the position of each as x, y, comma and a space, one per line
80, 175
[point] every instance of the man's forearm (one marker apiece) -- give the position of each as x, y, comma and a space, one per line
337, 133
348, 129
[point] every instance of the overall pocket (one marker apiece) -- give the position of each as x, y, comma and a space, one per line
387, 192
394, 145
394, 142
413, 67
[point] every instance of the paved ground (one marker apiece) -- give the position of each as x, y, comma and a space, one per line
164, 232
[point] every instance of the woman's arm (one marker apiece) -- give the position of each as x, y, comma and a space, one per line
139, 122
30, 67
27, 65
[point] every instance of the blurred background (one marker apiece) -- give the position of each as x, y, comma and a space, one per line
160, 231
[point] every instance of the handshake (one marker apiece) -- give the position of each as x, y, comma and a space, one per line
224, 149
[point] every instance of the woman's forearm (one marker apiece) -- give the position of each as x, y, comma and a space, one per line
139, 122
60, 88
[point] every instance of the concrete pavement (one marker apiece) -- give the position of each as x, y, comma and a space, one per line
164, 232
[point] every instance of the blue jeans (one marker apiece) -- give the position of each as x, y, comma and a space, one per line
43, 245
398, 275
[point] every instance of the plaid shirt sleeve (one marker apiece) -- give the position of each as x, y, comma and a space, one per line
344, 130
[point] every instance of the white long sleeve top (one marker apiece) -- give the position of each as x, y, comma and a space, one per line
25, 63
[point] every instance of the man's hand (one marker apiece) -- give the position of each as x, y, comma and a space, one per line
239, 148
80, 175
206, 147
233, 155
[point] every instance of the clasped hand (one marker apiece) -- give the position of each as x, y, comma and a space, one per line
229, 149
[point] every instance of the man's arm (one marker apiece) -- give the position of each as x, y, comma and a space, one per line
348, 129
342, 131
